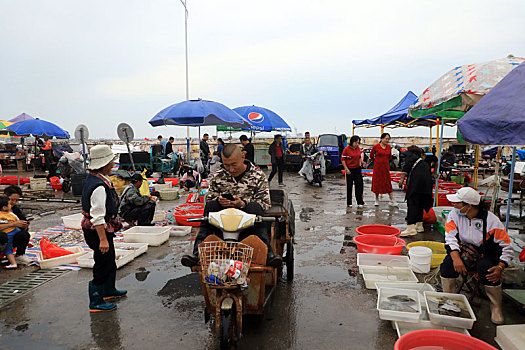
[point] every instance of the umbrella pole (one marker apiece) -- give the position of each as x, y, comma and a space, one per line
353, 129
511, 182
476, 167
496, 181
439, 163
430, 138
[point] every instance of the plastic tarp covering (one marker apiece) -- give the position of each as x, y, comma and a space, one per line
499, 117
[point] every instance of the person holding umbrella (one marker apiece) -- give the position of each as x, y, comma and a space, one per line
100, 206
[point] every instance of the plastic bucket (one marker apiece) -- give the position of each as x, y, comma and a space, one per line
378, 230
429, 339
420, 259
438, 251
379, 244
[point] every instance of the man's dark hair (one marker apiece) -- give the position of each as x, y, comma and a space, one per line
306, 132
243, 138
4, 201
416, 150
9, 190
171, 138
229, 149
205, 135
159, 137
136, 178
354, 139
277, 136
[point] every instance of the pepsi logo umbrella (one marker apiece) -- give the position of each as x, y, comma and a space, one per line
198, 113
262, 119
37, 127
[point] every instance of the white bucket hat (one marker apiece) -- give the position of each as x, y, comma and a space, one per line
466, 194
100, 156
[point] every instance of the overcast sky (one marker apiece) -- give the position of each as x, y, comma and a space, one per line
318, 64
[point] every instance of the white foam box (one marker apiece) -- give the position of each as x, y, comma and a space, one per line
381, 260
511, 337
180, 231
450, 321
152, 235
403, 328
391, 315
419, 287
61, 260
137, 248
122, 257
372, 274
38, 184
73, 221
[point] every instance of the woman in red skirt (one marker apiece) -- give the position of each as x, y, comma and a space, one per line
381, 183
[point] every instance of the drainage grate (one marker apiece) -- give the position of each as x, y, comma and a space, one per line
14, 289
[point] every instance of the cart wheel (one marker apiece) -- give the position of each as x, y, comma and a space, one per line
289, 261
227, 329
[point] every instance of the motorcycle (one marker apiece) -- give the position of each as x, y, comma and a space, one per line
316, 167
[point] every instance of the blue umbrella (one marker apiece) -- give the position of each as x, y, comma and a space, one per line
37, 127
262, 119
198, 113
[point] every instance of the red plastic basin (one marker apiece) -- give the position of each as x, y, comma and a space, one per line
186, 211
439, 339
378, 230
174, 180
379, 244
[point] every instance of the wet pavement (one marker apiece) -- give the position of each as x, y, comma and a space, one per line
326, 306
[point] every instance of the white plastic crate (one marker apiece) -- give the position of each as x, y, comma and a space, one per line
122, 257
137, 248
152, 235
420, 287
38, 184
371, 275
180, 231
381, 260
450, 321
403, 328
73, 221
391, 315
62, 260
511, 337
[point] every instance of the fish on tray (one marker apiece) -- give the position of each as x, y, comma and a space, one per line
399, 303
447, 307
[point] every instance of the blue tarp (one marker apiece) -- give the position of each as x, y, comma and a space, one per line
499, 117
398, 113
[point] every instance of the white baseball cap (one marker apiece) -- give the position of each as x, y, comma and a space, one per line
466, 195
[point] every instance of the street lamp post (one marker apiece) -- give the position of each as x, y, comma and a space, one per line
183, 2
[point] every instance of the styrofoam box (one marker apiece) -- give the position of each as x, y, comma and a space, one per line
403, 328
451, 321
511, 337
382, 260
61, 260
38, 184
420, 287
73, 221
123, 257
136, 248
180, 231
371, 275
391, 315
152, 235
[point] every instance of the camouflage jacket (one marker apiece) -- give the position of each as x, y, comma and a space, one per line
132, 198
253, 186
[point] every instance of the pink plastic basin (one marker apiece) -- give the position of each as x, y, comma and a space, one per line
378, 230
379, 244
429, 339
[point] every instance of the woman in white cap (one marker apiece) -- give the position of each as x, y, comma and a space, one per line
475, 240
100, 206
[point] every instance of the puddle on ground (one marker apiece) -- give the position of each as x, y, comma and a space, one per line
335, 212
326, 273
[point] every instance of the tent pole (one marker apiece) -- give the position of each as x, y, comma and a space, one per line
438, 141
382, 129
439, 164
476, 168
511, 182
430, 138
353, 129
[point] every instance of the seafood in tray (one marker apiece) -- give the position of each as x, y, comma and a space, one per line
447, 307
399, 302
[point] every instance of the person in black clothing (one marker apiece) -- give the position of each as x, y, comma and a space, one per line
247, 149
21, 239
205, 149
419, 189
169, 145
278, 154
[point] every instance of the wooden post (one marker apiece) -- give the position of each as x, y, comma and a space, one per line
476, 167
353, 129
